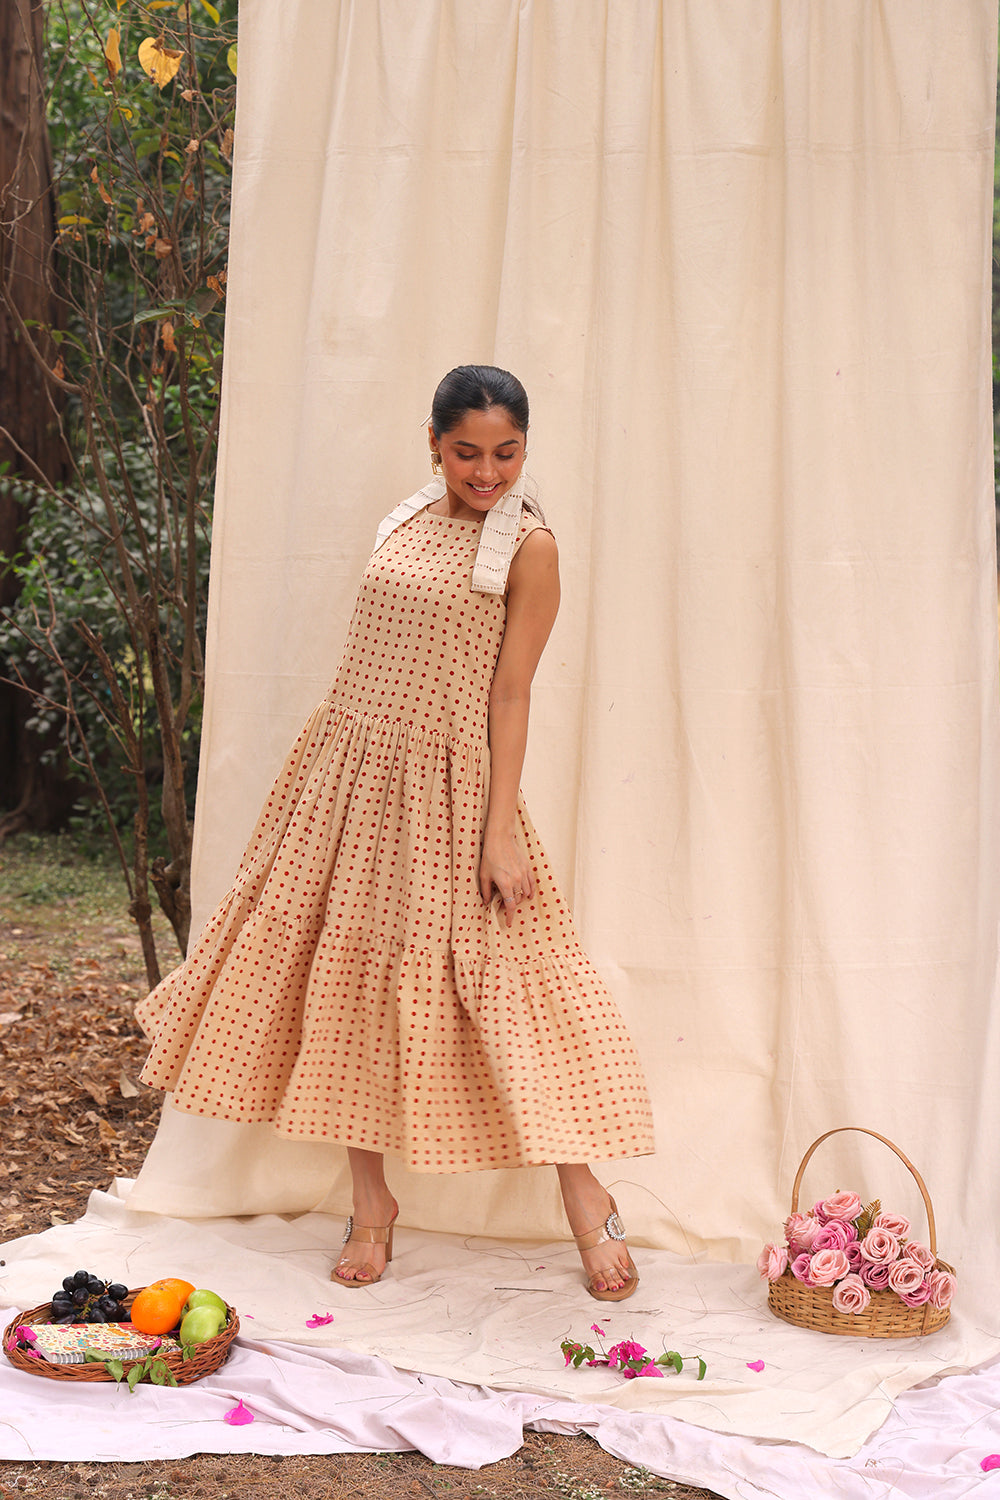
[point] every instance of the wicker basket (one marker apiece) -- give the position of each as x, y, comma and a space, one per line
203, 1359
886, 1316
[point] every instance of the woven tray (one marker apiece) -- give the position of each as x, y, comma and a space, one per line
886, 1316
203, 1359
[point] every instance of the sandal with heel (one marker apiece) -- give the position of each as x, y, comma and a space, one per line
379, 1235
612, 1230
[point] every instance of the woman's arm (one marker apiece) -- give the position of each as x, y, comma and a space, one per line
532, 602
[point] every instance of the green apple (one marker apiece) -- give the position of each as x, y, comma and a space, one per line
204, 1298
201, 1323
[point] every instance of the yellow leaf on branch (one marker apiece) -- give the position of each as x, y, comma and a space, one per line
167, 335
113, 52
160, 62
231, 59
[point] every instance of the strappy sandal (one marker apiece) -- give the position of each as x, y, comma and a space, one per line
380, 1235
614, 1230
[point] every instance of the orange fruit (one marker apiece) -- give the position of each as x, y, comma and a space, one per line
176, 1284
156, 1309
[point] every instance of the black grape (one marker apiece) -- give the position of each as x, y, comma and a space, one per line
118, 1291
65, 1318
81, 1278
80, 1296
69, 1284
96, 1287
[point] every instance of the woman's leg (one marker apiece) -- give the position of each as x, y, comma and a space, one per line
587, 1206
374, 1208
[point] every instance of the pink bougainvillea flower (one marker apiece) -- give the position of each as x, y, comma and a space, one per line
596, 1328
620, 1354
238, 1415
991, 1462
755, 1364
319, 1320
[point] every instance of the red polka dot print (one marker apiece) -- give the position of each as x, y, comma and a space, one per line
352, 986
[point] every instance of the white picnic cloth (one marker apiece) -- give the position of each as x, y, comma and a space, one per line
495, 1311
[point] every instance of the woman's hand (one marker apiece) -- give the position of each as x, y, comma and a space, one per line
504, 865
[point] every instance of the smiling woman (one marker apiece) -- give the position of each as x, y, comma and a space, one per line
394, 968
478, 435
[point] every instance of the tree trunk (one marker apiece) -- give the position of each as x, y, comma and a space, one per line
32, 794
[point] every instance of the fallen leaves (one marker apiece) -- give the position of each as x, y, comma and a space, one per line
68, 1064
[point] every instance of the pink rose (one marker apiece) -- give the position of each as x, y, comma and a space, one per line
920, 1254
851, 1295
895, 1223
842, 1206
942, 1286
905, 1275
772, 1261
876, 1277
800, 1231
818, 1211
917, 1297
800, 1268
828, 1266
854, 1257
837, 1234
880, 1246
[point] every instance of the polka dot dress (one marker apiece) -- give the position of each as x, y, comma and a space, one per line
352, 986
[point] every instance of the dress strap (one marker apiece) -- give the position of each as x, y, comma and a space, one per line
407, 508
497, 540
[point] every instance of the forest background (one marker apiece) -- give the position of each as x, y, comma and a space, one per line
116, 141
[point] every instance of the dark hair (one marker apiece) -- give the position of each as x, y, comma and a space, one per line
478, 388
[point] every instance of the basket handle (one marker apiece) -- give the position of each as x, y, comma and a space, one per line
886, 1142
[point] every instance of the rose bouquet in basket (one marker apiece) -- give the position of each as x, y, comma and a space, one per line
856, 1251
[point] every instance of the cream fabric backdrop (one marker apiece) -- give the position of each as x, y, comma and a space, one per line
738, 251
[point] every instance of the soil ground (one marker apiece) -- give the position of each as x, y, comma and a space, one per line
75, 1117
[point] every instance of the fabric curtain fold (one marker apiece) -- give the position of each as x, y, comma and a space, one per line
739, 256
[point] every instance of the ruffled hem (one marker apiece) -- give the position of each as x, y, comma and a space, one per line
399, 1049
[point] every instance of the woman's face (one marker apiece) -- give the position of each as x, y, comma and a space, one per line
481, 458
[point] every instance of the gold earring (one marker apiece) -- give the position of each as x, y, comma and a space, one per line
436, 466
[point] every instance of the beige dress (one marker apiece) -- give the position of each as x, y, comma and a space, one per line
353, 986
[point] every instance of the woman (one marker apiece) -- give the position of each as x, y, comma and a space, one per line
394, 968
